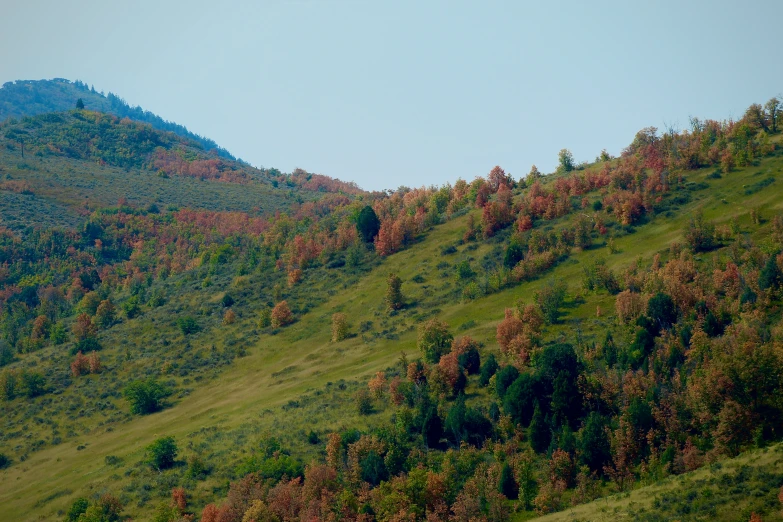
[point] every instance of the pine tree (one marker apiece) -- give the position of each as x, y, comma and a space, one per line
538, 431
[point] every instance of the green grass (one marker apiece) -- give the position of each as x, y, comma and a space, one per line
222, 412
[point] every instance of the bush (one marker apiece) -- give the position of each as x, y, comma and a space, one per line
363, 402
394, 297
339, 327
281, 315
162, 453
187, 325
227, 301
78, 507
33, 384
4, 461
550, 298
145, 396
131, 307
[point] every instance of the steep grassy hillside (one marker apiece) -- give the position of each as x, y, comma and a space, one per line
568, 263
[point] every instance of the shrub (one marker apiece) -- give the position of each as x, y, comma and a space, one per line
4, 461
131, 307
78, 507
187, 325
264, 318
227, 301
197, 469
281, 315
550, 298
145, 396
339, 327
394, 297
363, 401
162, 453
33, 384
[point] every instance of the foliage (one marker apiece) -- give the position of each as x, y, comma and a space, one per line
162, 453
434, 340
145, 397
367, 224
394, 298
281, 315
549, 300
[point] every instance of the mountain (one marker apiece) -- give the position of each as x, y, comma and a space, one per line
32, 97
499, 349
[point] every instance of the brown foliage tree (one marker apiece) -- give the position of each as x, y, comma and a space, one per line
281, 315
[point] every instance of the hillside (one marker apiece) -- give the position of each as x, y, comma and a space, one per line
33, 97
631, 307
57, 167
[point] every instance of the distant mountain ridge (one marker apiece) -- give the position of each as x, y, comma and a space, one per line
32, 97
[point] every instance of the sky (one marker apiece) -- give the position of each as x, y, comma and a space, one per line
391, 93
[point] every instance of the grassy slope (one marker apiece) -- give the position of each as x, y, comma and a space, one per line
731, 488
300, 359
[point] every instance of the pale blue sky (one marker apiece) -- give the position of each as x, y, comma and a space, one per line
408, 92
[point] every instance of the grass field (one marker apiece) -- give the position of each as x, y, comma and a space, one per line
221, 413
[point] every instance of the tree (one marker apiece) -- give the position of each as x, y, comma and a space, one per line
506, 484
565, 160
83, 328
187, 325
107, 509
488, 369
700, 234
539, 432
162, 453
394, 297
78, 507
105, 314
661, 311
773, 112
434, 340
504, 379
550, 298
79, 104
339, 327
281, 315
771, 275
367, 224
514, 253
145, 396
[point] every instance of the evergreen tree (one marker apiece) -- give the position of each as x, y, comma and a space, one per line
507, 485
488, 369
368, 224
538, 431
771, 275
79, 104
